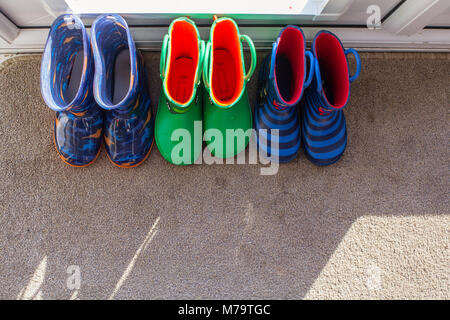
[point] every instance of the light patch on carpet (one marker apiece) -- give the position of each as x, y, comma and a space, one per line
33, 290
384, 257
142, 247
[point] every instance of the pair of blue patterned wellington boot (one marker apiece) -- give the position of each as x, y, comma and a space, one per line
321, 90
99, 92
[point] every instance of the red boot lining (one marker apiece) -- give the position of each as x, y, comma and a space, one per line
227, 70
333, 69
290, 58
183, 59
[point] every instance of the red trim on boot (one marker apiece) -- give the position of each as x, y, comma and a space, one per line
333, 69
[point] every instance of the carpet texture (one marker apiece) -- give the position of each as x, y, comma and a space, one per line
374, 225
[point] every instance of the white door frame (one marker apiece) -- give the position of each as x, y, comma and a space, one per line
8, 30
412, 16
403, 30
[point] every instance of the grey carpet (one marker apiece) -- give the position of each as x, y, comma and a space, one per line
225, 231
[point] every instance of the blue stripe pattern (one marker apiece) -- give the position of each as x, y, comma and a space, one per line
78, 123
324, 129
272, 113
129, 124
324, 132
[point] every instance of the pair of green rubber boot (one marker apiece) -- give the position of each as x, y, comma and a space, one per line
217, 109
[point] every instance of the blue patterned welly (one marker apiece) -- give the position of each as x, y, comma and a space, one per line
324, 129
129, 123
67, 70
281, 82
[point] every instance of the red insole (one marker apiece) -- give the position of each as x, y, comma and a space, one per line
224, 75
181, 80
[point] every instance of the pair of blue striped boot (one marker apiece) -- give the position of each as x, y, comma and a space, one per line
77, 79
321, 90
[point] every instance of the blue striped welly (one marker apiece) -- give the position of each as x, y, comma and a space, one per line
67, 69
281, 84
324, 129
121, 88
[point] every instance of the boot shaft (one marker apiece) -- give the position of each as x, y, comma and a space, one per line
68, 48
283, 74
181, 64
114, 52
224, 68
331, 89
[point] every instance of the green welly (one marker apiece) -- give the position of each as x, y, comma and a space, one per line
227, 109
180, 103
